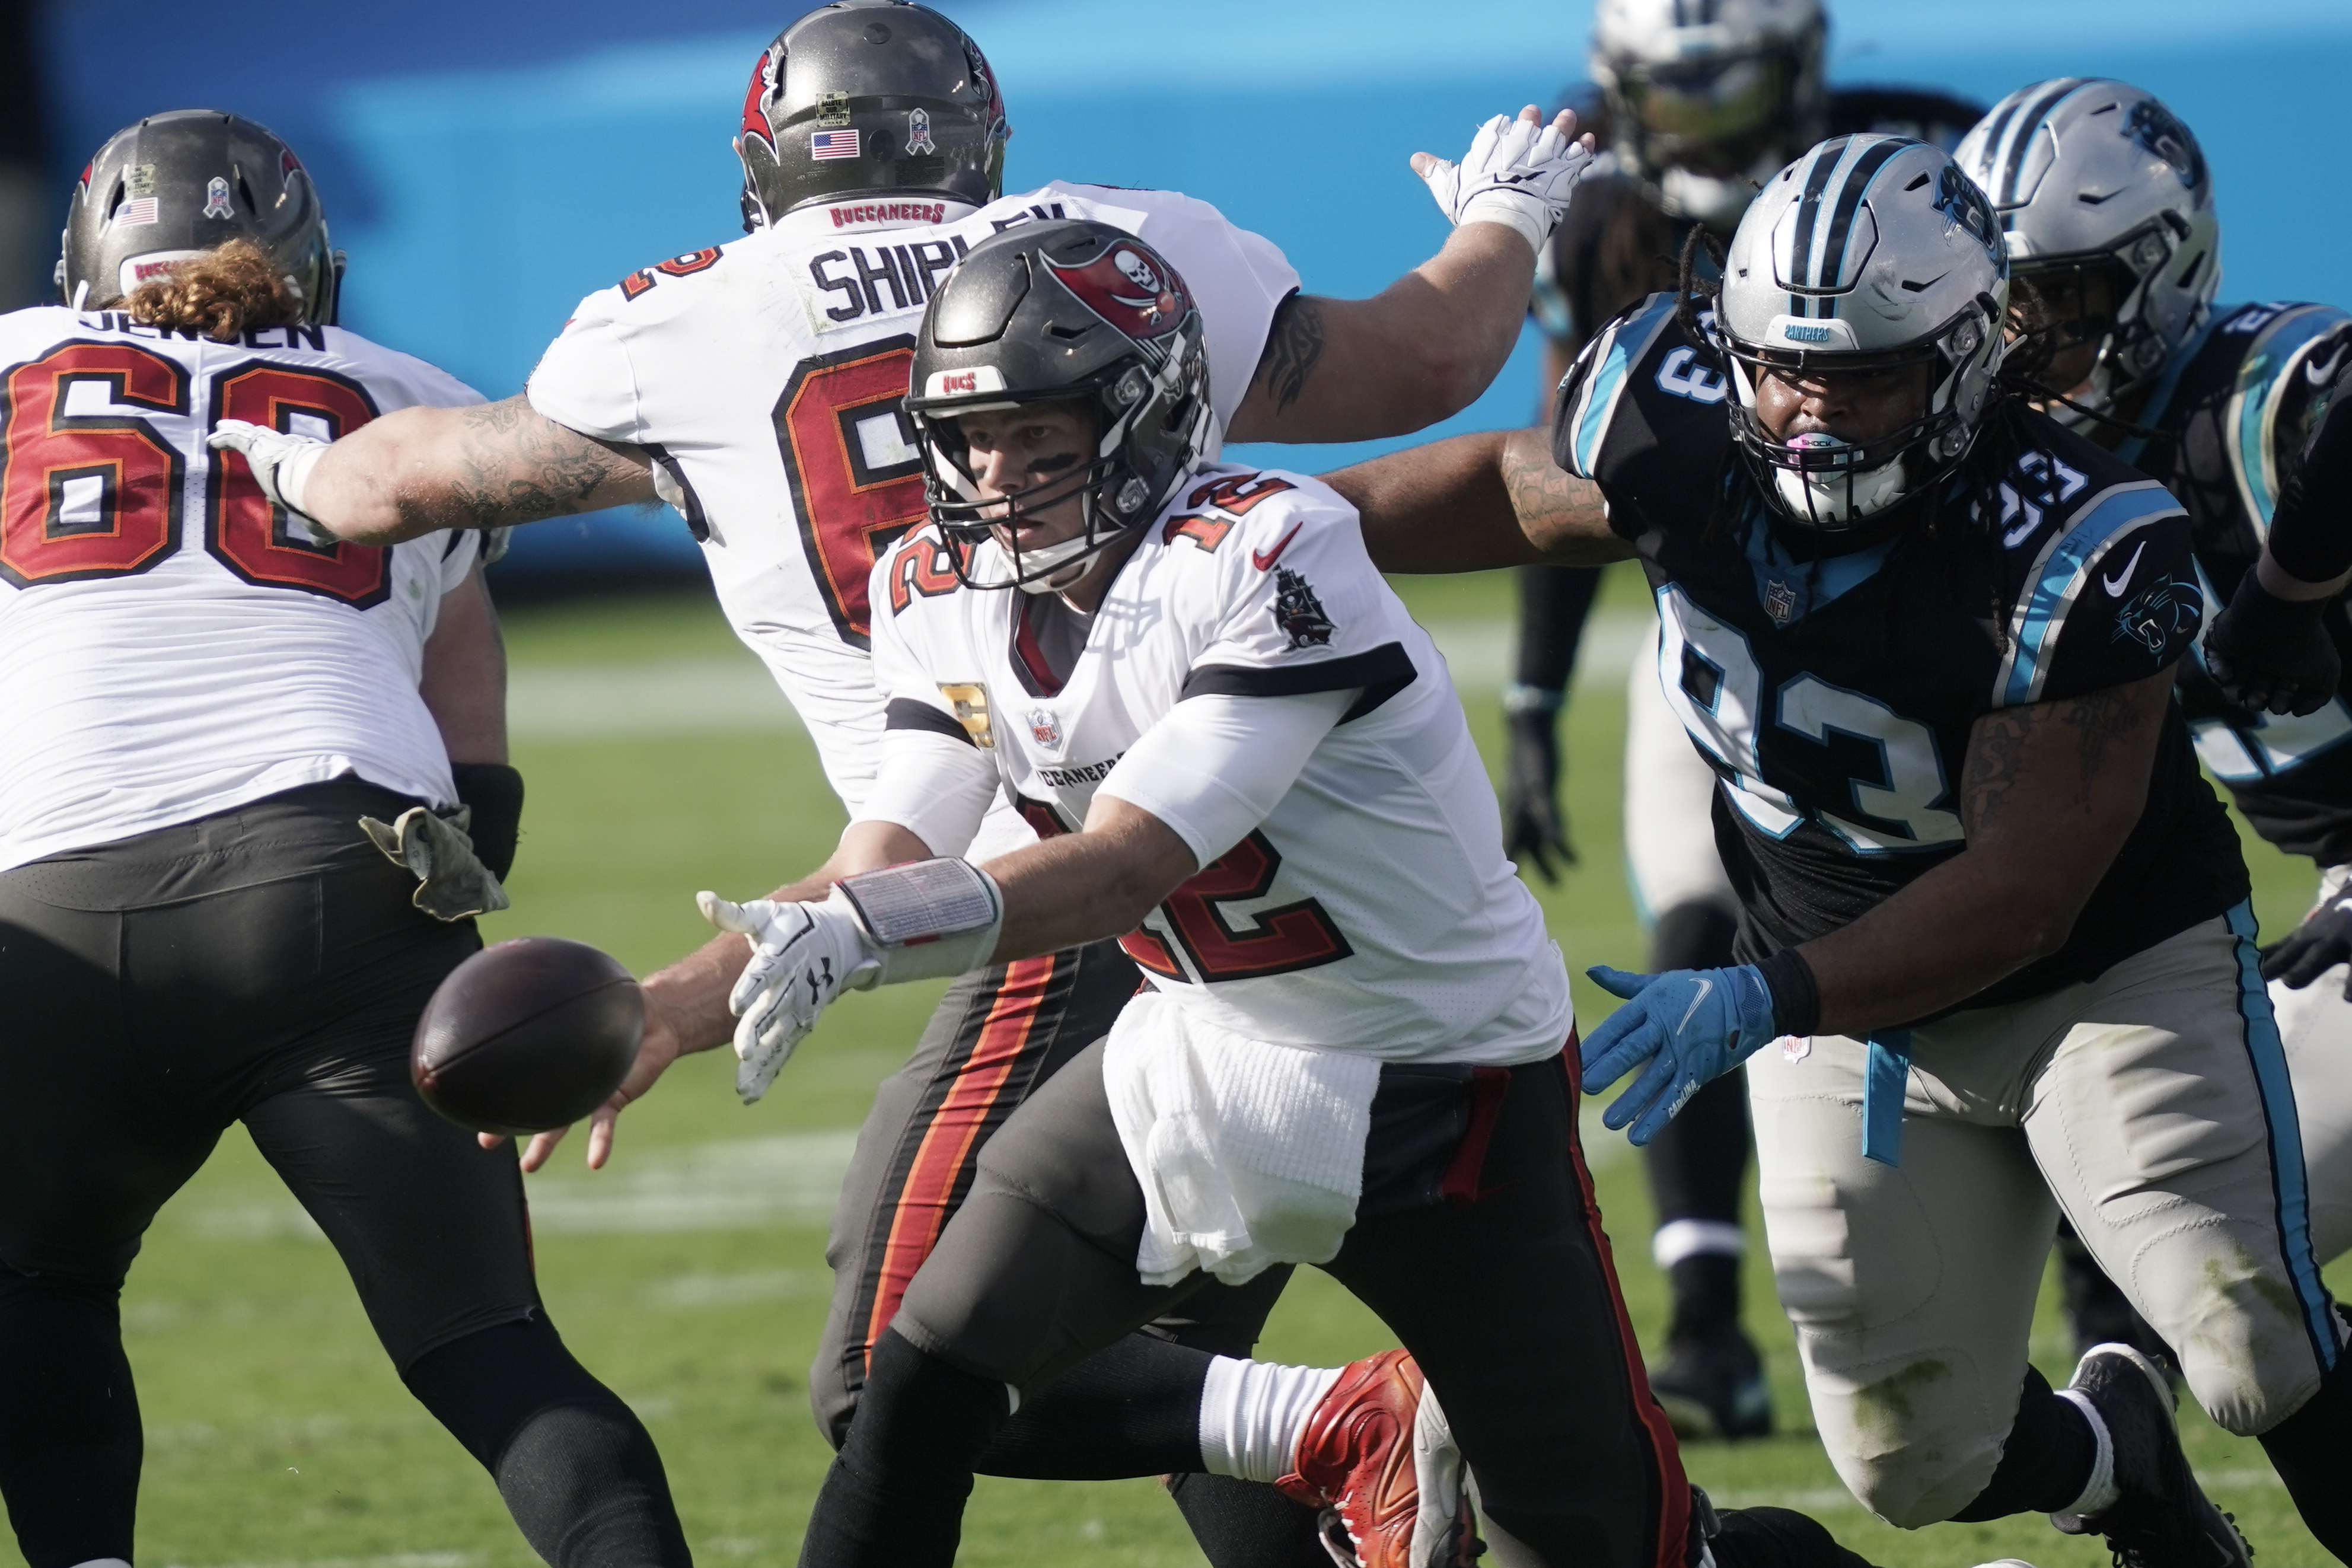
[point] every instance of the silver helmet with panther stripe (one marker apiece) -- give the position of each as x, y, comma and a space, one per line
1868, 253
2106, 211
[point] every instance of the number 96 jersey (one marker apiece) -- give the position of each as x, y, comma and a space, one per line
1835, 696
173, 645
764, 377
1372, 910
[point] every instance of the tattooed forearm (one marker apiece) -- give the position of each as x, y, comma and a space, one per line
1292, 349
1557, 511
498, 463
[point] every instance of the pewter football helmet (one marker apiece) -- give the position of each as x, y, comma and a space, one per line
870, 98
1868, 253
1706, 97
175, 185
1043, 313
2097, 176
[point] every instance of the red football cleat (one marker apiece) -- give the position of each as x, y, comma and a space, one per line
1378, 1459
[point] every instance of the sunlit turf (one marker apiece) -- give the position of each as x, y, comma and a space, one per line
277, 1435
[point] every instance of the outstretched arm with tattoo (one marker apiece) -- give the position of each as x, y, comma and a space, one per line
1424, 348
1469, 503
418, 470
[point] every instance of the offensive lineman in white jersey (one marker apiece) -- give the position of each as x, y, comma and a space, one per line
756, 386
209, 716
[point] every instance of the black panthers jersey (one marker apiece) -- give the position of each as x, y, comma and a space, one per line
1834, 696
2234, 406
1615, 245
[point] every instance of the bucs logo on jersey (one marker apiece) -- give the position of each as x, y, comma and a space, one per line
1299, 613
1130, 287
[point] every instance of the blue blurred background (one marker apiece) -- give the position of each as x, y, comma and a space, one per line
485, 162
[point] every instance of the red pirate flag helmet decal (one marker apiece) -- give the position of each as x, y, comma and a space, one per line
762, 92
1131, 287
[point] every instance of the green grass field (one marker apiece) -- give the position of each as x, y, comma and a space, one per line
690, 1273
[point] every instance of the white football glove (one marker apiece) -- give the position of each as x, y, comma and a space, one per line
281, 464
1517, 172
803, 956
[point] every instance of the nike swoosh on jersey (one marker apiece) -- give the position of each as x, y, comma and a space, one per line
2114, 585
2319, 372
1264, 560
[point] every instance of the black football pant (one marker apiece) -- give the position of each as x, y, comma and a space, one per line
997, 1035
1697, 1163
1504, 1293
265, 965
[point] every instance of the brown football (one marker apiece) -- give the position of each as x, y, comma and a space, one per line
528, 1034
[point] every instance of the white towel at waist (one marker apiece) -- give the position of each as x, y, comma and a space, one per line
1249, 1154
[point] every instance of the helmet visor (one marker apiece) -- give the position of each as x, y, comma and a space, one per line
1714, 116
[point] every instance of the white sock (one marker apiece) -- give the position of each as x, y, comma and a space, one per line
1680, 1239
2102, 1493
103, 1562
1253, 1412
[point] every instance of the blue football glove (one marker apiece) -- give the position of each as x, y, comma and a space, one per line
1692, 1025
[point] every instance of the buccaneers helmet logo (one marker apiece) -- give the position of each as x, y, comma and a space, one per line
761, 93
1130, 287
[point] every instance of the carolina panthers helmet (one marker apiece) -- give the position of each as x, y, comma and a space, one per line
175, 185
870, 98
1706, 97
1048, 311
1869, 253
2097, 176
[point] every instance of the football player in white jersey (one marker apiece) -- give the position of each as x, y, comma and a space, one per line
210, 714
1238, 748
757, 385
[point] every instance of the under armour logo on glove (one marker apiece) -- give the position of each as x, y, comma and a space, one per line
1518, 172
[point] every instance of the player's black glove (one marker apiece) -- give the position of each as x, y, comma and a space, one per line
2322, 942
495, 792
1534, 831
2271, 654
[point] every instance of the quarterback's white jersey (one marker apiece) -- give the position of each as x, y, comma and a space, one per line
1373, 910
764, 376
171, 649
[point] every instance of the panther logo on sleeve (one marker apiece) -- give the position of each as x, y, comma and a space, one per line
1299, 613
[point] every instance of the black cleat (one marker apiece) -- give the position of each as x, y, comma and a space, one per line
1711, 1385
2163, 1519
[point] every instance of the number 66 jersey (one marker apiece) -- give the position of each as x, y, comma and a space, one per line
1371, 910
173, 646
1835, 695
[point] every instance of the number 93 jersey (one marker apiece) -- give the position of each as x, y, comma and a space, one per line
764, 377
174, 646
1372, 909
1835, 696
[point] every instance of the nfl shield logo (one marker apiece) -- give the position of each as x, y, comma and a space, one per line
1045, 728
1779, 602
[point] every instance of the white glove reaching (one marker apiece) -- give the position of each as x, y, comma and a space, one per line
803, 956
281, 464
1518, 172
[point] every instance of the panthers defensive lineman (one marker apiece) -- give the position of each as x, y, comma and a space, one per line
1989, 906
1698, 105
2117, 299
757, 384
210, 715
